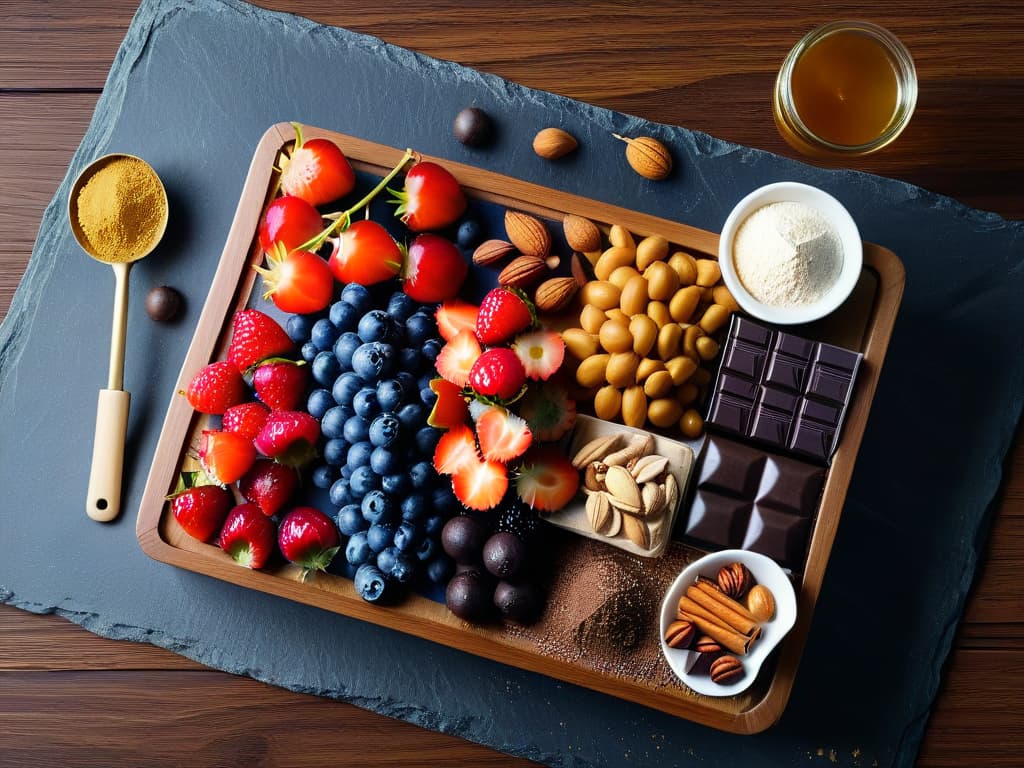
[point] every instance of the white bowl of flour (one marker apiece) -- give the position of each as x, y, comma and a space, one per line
790, 253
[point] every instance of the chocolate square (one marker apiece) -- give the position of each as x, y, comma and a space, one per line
780, 536
718, 520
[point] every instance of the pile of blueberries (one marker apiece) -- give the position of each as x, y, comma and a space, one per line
372, 359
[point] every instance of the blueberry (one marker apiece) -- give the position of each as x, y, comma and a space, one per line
344, 348
408, 382
345, 388
350, 520
356, 428
366, 403
373, 360
404, 568
414, 507
428, 396
401, 306
332, 424
324, 334
358, 296
443, 500
326, 368
423, 382
345, 471
384, 461
440, 569
378, 507
398, 484
412, 416
385, 430
341, 492
390, 394
375, 325
469, 234
386, 558
369, 580
299, 327
318, 403
359, 455
426, 549
344, 568
410, 359
358, 551
422, 474
430, 349
419, 328
324, 475
426, 440
335, 451
344, 316
380, 537
406, 536
309, 351
363, 481
433, 525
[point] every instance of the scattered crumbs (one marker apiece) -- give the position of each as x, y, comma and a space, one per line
856, 752
832, 756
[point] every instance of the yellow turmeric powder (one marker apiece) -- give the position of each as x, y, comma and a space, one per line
121, 210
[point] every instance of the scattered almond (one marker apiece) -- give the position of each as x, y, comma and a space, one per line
523, 271
492, 251
528, 234
581, 233
647, 156
554, 294
553, 143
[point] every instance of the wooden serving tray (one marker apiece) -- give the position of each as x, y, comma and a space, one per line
864, 323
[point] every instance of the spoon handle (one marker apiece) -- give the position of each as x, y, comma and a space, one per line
103, 502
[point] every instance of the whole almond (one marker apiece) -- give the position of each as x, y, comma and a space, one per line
636, 530
523, 271
492, 251
528, 234
648, 157
594, 450
553, 143
555, 294
623, 488
653, 495
761, 603
599, 512
581, 233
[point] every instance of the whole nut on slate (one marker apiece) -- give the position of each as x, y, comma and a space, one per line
472, 127
726, 669
735, 579
528, 234
492, 251
553, 143
163, 303
555, 294
522, 271
581, 233
679, 634
761, 603
648, 157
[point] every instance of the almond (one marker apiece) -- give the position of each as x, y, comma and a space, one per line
523, 271
637, 531
554, 295
578, 273
553, 143
528, 234
492, 251
581, 233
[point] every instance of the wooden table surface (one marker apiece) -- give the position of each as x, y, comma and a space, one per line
68, 697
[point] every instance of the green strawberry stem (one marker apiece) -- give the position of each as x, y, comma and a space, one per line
299, 141
341, 220
316, 562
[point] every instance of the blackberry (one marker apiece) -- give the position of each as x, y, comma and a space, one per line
516, 517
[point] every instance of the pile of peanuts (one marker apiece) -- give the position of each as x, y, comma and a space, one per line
646, 331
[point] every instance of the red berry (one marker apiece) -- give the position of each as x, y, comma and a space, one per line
434, 269
497, 373
481, 485
365, 253
547, 479
289, 220
248, 536
256, 336
308, 538
503, 436
432, 198
297, 281
317, 171
201, 510
281, 384
455, 450
457, 357
504, 312
290, 437
450, 409
225, 456
216, 388
245, 419
269, 485
454, 316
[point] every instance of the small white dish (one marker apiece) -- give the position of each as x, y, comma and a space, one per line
837, 215
765, 571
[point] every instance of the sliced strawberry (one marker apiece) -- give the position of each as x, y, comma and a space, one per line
201, 510
248, 536
316, 170
281, 384
503, 436
455, 315
246, 419
216, 387
289, 437
548, 410
547, 479
497, 374
225, 456
269, 485
256, 336
309, 539
450, 408
455, 450
541, 353
504, 312
480, 485
457, 357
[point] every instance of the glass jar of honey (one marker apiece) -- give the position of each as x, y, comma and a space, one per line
846, 89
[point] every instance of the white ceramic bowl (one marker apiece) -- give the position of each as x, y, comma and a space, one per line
765, 571
837, 215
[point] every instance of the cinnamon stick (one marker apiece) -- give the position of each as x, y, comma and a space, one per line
721, 611
728, 638
712, 590
686, 605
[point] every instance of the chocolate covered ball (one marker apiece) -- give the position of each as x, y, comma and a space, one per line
468, 596
463, 539
472, 127
163, 303
518, 602
504, 555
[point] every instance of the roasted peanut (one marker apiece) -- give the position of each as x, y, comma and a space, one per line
721, 295
591, 372
687, 393
591, 319
683, 303
691, 424
647, 367
620, 236
669, 338
634, 406
658, 384
649, 250
685, 266
708, 272
662, 281
615, 336
634, 296
714, 318
644, 332
612, 259
690, 335
601, 294
621, 369
621, 276
659, 313
580, 344
608, 402
707, 347
681, 368
664, 411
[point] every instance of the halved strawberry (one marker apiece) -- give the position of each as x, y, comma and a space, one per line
541, 353
248, 536
547, 479
201, 510
247, 419
457, 357
497, 374
256, 336
548, 410
289, 437
225, 456
450, 408
503, 436
269, 485
316, 170
455, 450
504, 312
480, 485
280, 383
455, 315
216, 387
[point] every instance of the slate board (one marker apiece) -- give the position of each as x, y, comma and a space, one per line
171, 99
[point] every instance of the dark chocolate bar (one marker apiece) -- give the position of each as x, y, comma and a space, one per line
747, 498
782, 390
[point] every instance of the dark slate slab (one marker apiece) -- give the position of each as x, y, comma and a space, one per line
172, 99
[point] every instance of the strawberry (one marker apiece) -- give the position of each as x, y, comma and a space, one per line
201, 510
432, 198
289, 437
548, 410
455, 450
497, 374
365, 253
247, 419
455, 315
547, 479
269, 485
503, 436
248, 536
289, 220
280, 383
216, 387
541, 353
309, 539
434, 269
450, 408
317, 171
296, 281
256, 336
504, 312
457, 357
225, 456
480, 485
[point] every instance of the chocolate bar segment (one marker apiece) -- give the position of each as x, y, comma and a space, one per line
782, 390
